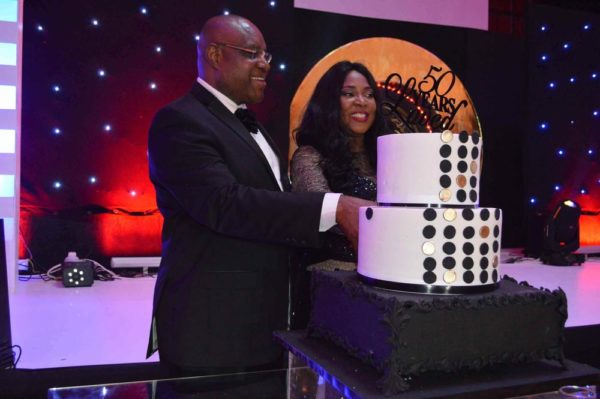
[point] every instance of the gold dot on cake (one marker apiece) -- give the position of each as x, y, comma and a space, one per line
484, 231
449, 214
428, 248
450, 277
445, 195
447, 136
461, 180
473, 167
495, 261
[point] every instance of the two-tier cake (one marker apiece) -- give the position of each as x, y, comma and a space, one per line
428, 233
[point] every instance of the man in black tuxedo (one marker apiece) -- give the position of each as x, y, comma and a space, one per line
229, 222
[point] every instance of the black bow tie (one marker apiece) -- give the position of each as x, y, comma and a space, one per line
248, 119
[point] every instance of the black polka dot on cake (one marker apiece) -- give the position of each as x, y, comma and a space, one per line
468, 232
429, 264
429, 277
428, 231
483, 277
463, 137
495, 246
461, 195
495, 276
496, 231
468, 248
475, 137
462, 166
445, 181
449, 248
448, 262
484, 263
462, 151
468, 277
497, 214
475, 153
369, 213
473, 181
445, 166
484, 214
429, 214
484, 249
468, 214
449, 232
445, 150
468, 263
473, 195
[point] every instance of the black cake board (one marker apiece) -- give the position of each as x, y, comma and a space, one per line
355, 380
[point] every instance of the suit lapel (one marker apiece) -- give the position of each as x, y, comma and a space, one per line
223, 114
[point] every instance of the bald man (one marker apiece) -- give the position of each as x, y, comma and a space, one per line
229, 220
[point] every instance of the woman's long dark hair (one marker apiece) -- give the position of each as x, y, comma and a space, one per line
322, 129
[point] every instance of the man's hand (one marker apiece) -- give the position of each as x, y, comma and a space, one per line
346, 216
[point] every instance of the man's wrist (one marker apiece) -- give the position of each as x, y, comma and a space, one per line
329, 211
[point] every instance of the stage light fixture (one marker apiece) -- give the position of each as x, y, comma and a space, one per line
561, 236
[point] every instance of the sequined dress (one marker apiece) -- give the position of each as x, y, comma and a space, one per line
307, 175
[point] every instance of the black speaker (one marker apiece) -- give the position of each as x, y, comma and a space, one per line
6, 354
78, 274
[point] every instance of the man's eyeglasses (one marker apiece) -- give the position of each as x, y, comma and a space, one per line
252, 55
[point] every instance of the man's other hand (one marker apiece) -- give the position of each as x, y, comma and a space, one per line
346, 216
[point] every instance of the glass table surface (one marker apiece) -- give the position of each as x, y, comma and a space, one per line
291, 383
298, 381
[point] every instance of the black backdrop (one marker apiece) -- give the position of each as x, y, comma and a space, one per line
104, 220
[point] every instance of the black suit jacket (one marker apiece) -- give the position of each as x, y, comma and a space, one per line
222, 286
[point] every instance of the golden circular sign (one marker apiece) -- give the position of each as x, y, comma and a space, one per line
419, 89
473, 167
449, 277
484, 231
461, 180
447, 136
445, 195
428, 248
450, 214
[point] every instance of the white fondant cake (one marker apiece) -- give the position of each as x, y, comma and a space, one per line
428, 168
427, 234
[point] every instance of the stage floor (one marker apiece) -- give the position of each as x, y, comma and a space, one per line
108, 323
